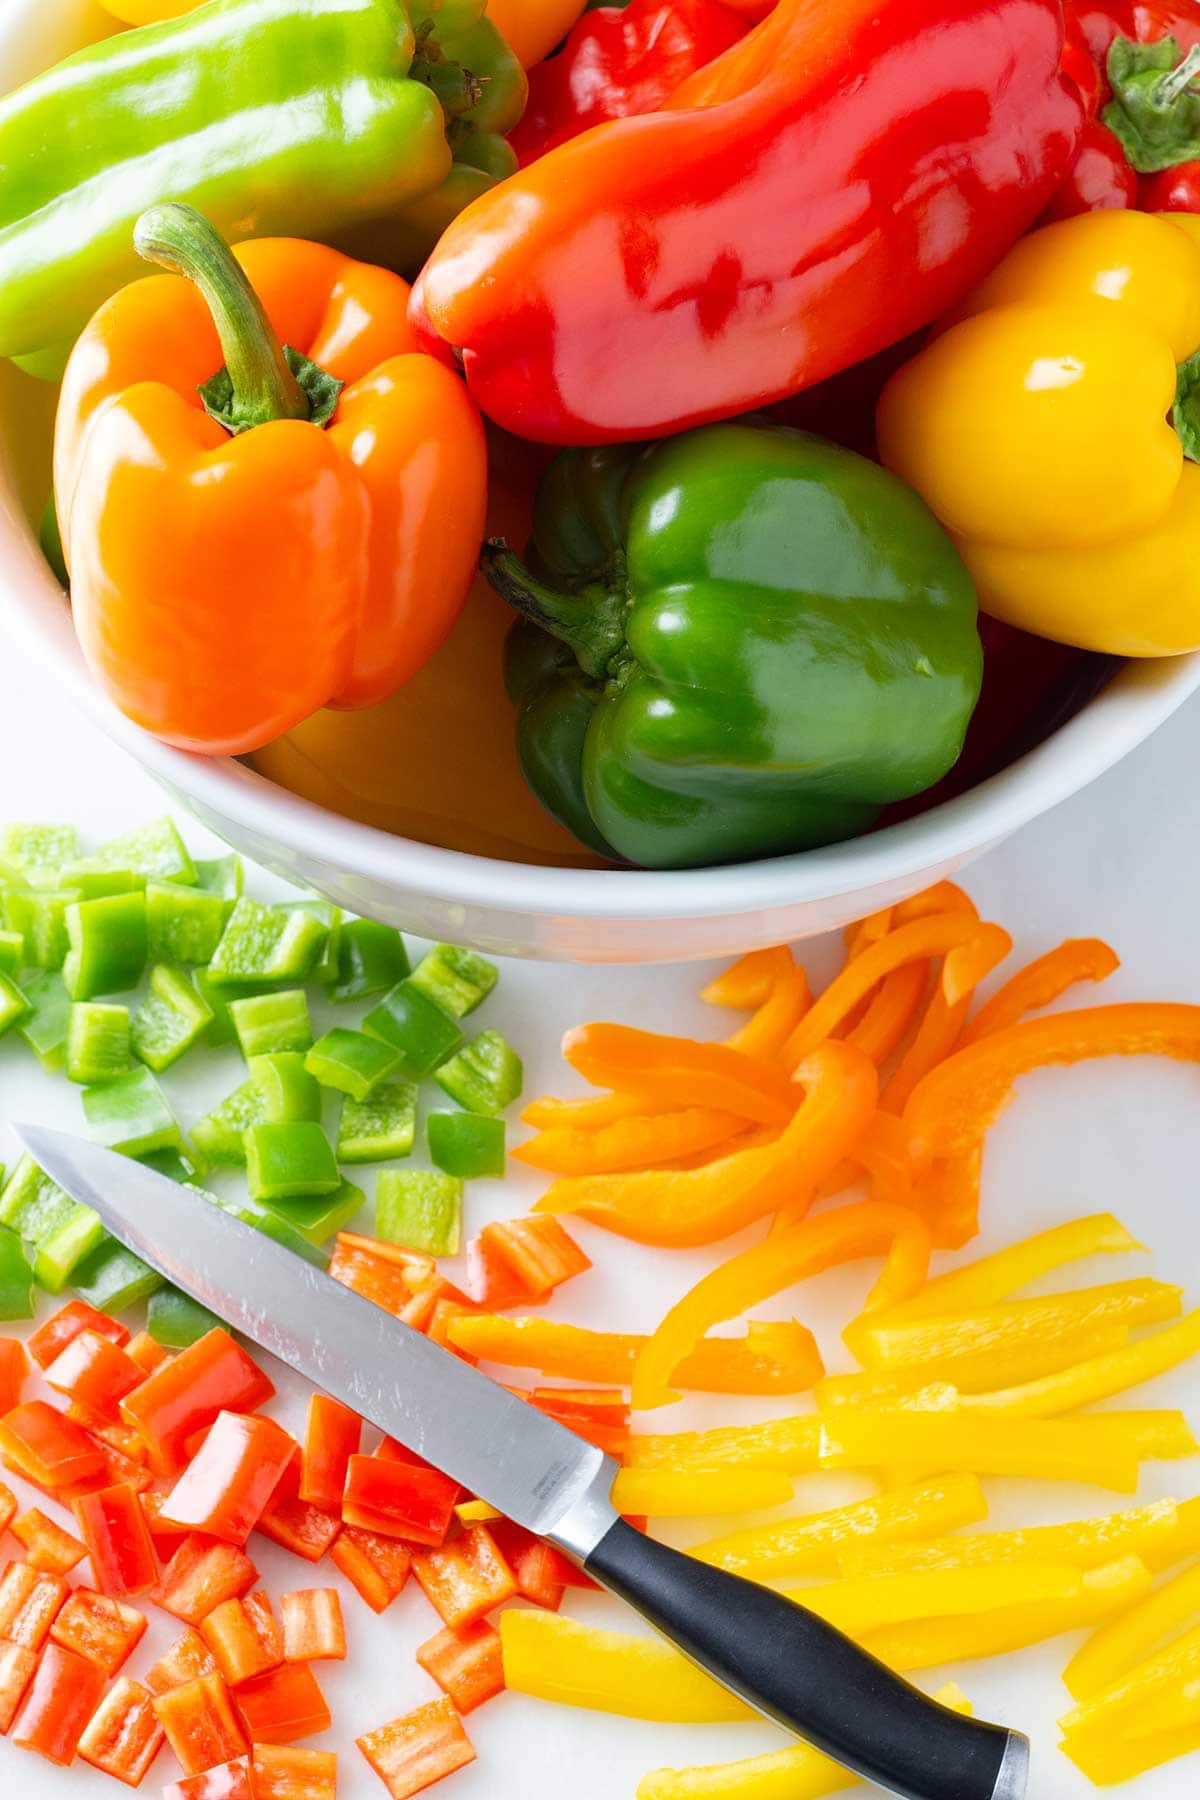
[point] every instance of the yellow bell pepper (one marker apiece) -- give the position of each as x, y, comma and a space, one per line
1130, 1705
1184, 1541
863, 1604
975, 1372
148, 12
1036, 427
533, 27
1098, 1378
1141, 1531
476, 1512
696, 1493
1117, 1648
792, 1445
1108, 1763
561, 1660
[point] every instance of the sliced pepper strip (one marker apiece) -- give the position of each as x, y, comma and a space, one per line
748, 982
996, 1277
768, 1031
948, 1196
1116, 1649
791, 1445
1111, 1761
692, 1494
1100, 1377
973, 1374
967, 964
561, 1660
681, 1069
860, 1604
1141, 1531
942, 897
1122, 1708
551, 1114
1102, 1448
890, 1012
1041, 982
638, 1142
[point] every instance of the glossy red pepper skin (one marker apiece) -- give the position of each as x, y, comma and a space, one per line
61, 1698
619, 61
837, 179
1100, 177
185, 1395
229, 1486
1171, 190
1143, 21
118, 1540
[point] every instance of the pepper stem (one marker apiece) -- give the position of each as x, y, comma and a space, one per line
1174, 83
589, 621
263, 387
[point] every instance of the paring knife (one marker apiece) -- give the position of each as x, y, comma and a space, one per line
779, 1657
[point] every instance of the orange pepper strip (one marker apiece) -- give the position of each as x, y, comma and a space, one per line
948, 1196
746, 983
866, 931
951, 1110
677, 1069
773, 1024
551, 1114
967, 964
943, 896
686, 1207
946, 1013
890, 1012
1040, 982
777, 1263
639, 1142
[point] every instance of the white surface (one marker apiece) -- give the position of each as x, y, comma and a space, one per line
1120, 860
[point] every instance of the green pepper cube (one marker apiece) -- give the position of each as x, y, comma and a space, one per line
93, 881
14, 1004
220, 1135
409, 1021
325, 970
371, 959
381, 1127
419, 1209
16, 1278
216, 997
108, 945
290, 1160
112, 1278
97, 1041
485, 1076
176, 1321
266, 1023
58, 1230
170, 1019
267, 943
41, 918
155, 850
351, 1061
172, 1163
12, 953
38, 849
466, 1144
317, 1217
131, 1114
285, 1087
183, 924
221, 875
45, 1027
456, 980
271, 1224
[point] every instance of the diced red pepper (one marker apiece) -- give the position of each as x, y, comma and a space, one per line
202, 1573
182, 1396
412, 1753
94, 1371
232, 1781
147, 1352
466, 1577
332, 1436
229, 1485
16, 1671
29, 1604
166, 1538
383, 1273
50, 1339
538, 1254
313, 1630
399, 1499
541, 1570
62, 1696
187, 1660
47, 1449
244, 1638
112, 1433
299, 1526
8, 1508
48, 1548
285, 1773
116, 1470
600, 1415
376, 1567
437, 1328
466, 1664
123, 1736
201, 1725
492, 1284
285, 1705
118, 1540
97, 1627
14, 1368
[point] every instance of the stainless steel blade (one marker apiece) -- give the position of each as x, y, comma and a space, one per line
502, 1449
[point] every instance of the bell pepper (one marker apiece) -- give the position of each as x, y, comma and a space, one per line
1116, 1648
681, 1071
333, 1434
244, 1638
1128, 1704
200, 1724
185, 1395
861, 1604
532, 28
399, 1498
1146, 1532
43, 1445
201, 1575
232, 1780
381, 1127
312, 1626
306, 1530
282, 1772
466, 1577
1100, 177
61, 1698
671, 1494
102, 1630
29, 1605
466, 1146
466, 1664
282, 1706
411, 1753
1098, 1377
484, 1076
94, 1371
188, 1658
561, 1660
535, 1255
48, 1548
62, 1327
416, 1026
791, 1445
371, 959
636, 1142
272, 1024
627, 716
376, 1567
118, 1541
8, 1507
227, 1488
1111, 1761
123, 1735
420, 1209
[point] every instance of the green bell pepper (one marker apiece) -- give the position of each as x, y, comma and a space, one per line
112, 1278
371, 959
14, 1005
351, 1061
154, 850
183, 924
12, 953
410, 1021
16, 1278
285, 1088
220, 1135
171, 1018
98, 1037
131, 1114
420, 1210
290, 1161
456, 980
176, 1321
381, 1127
466, 1144
46, 1027
758, 640
268, 1023
38, 850
107, 945
485, 1076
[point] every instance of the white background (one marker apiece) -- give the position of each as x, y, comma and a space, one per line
1120, 861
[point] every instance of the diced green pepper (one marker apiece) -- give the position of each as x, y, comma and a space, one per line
16, 1278
288, 1161
419, 1209
112, 1278
170, 1019
58, 1230
12, 953
318, 1217
97, 1041
172, 1163
325, 970
267, 943
371, 959
485, 1076
273, 1225
266, 1023
176, 1321
422, 1033
94, 881
221, 875
466, 1144
351, 1061
220, 1134
41, 918
14, 1004
183, 924
38, 849
155, 850
381, 1127
456, 980
286, 1089
131, 1114
216, 997
45, 1029
58, 1256
108, 945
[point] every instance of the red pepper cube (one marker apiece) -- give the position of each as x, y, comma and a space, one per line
50, 1339
8, 1508
232, 1781
412, 1753
165, 1537
285, 1773
229, 1486
542, 1572
49, 1450
16, 1671
313, 1628
491, 1283
147, 1352
187, 1660
297, 1525
94, 1371
48, 1548
201, 1574
111, 1432
123, 1736
398, 1499
185, 1394
466, 1664
376, 1567
200, 1724
116, 1470
466, 1578
537, 1253
29, 1604
244, 1638
285, 1705
383, 1273
333, 1434
14, 1368
62, 1696
103, 1630
118, 1540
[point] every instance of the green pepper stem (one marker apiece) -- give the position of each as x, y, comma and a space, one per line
183, 240
588, 621
1177, 80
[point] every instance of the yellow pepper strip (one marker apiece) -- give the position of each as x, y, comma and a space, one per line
1139, 1531
1121, 1759
777, 1263
639, 1141
791, 1445
797, 1772
552, 1658
531, 27
1117, 1648
1183, 1542
860, 1605
1123, 1706
1099, 1377
669, 1494
815, 1543
974, 1374
475, 1512
1097, 1449
770, 1359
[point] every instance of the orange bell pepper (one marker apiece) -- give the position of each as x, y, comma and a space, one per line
890, 1012
311, 539
775, 1020
947, 1194
684, 1071
532, 28
1040, 982
946, 1013
638, 1142
548, 1113
749, 981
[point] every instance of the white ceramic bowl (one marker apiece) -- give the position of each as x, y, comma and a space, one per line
509, 908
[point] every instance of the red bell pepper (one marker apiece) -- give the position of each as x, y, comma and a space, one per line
62, 1696
116, 1470
466, 1664
590, 1413
412, 1753
123, 1736
201, 1574
466, 1578
244, 1638
537, 1253
52, 1338
285, 1705
377, 1567
1171, 190
8, 1508
232, 1781
398, 1499
48, 1548
16, 1671
118, 1540
94, 1371
437, 1330
14, 1368
313, 1629
29, 1604
822, 189
404, 1282
201, 1725
47, 1449
187, 1660
285, 1773
494, 1287
1099, 178
333, 1434
147, 1352
112, 1433
102, 1630
184, 1395
166, 1538
618, 61
228, 1487
542, 1572
297, 1525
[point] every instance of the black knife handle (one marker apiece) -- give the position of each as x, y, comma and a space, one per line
786, 1662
